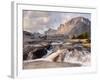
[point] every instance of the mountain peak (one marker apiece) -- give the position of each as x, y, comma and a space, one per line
77, 20
76, 25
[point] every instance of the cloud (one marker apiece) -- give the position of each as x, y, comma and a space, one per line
67, 16
35, 20
39, 21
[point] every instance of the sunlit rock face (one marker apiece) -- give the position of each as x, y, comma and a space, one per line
75, 26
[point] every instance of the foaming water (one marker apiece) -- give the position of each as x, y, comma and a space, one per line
82, 57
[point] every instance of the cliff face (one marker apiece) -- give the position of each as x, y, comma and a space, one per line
75, 26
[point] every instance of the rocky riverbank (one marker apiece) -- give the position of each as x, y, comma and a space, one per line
47, 64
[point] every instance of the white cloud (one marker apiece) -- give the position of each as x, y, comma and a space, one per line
41, 20
35, 21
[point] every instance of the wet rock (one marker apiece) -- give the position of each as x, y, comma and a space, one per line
31, 52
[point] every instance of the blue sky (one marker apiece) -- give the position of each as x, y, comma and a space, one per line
40, 21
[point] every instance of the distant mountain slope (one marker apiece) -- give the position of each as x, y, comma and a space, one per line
50, 31
27, 36
75, 26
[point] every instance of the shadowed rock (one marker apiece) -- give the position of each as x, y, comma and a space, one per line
35, 53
